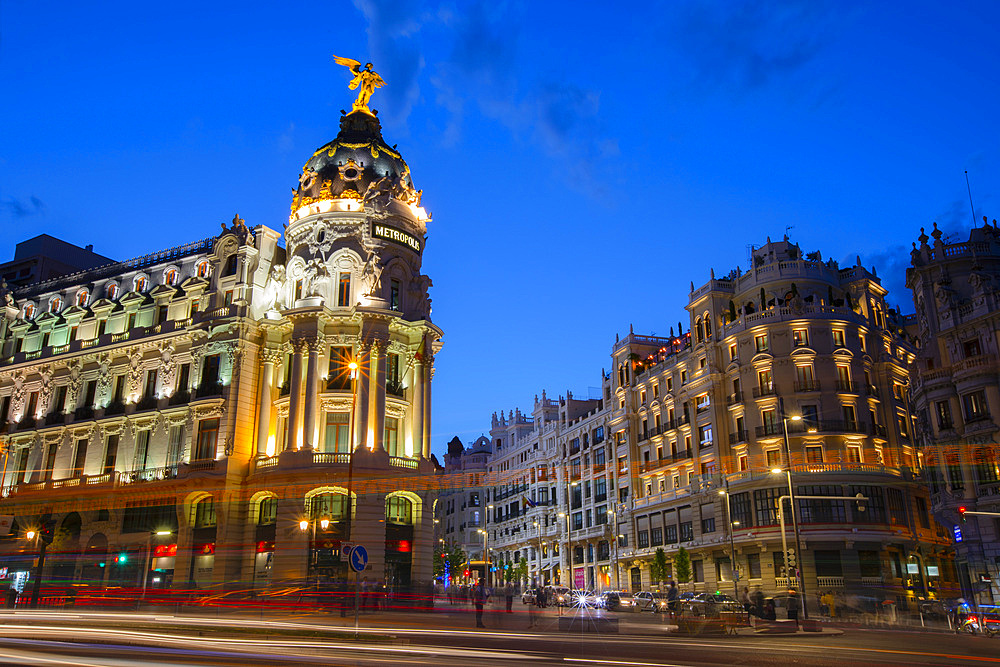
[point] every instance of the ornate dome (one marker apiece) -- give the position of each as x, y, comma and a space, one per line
357, 166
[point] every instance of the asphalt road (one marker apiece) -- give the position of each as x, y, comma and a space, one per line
85, 639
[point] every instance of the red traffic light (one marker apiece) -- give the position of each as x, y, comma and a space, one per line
962, 510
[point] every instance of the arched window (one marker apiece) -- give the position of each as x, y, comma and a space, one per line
203, 269
697, 329
708, 326
113, 291
203, 513
82, 297
399, 509
140, 283
230, 266
170, 277
332, 506
29, 311
267, 511
55, 305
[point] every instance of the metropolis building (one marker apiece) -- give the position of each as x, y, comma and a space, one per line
689, 447
226, 413
956, 395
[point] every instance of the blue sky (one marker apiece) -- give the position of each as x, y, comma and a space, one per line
583, 162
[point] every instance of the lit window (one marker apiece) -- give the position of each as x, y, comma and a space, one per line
55, 305
113, 291
814, 454
760, 342
838, 338
82, 297
800, 337
732, 351
854, 454
140, 284
29, 311
170, 277
203, 270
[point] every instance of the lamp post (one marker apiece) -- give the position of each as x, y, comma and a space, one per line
569, 551
615, 537
353, 368
732, 544
305, 525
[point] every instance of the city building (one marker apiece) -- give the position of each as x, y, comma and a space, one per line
956, 395
793, 373
45, 257
227, 413
460, 510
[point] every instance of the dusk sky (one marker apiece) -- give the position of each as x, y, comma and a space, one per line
583, 163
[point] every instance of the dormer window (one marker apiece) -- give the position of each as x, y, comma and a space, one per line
203, 269
55, 305
113, 291
170, 277
82, 297
29, 311
140, 283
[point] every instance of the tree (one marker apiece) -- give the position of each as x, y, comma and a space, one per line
521, 574
682, 566
659, 568
448, 556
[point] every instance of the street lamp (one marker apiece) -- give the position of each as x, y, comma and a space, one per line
569, 551
615, 536
304, 525
352, 367
33, 536
800, 580
486, 557
732, 543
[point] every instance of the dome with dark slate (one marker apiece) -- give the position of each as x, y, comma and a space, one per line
358, 165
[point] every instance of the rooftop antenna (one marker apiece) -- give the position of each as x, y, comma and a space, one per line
969, 187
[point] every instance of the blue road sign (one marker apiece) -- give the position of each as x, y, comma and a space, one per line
359, 558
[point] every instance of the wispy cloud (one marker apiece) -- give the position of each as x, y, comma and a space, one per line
20, 208
744, 46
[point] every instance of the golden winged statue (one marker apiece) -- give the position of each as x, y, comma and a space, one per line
364, 79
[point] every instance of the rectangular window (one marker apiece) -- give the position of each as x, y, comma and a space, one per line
175, 445
943, 411
844, 378
760, 342
821, 511
773, 458
394, 295
210, 372
732, 352
854, 454
766, 502
184, 379
804, 378
705, 435
344, 290
971, 348
800, 337
150, 390
838, 338
656, 536
80, 457
204, 514
814, 454
698, 570
643, 540
975, 406
337, 432
59, 405
764, 382
391, 437
753, 566
208, 433
708, 525
110, 454
702, 402
228, 297
50, 461
141, 449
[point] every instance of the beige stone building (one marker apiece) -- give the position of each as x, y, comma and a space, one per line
206, 393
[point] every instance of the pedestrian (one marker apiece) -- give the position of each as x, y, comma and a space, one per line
793, 605
757, 600
479, 595
770, 614
534, 605
831, 604
672, 597
745, 598
508, 592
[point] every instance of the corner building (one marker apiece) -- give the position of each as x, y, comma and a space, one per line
956, 395
206, 392
680, 450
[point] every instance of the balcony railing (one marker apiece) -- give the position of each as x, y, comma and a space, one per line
403, 462
209, 390
734, 398
806, 385
146, 403
148, 475
331, 457
830, 582
738, 437
394, 388
116, 408
847, 386
766, 390
179, 397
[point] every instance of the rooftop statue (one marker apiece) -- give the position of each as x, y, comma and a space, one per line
364, 78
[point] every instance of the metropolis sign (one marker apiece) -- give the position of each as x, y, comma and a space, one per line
396, 236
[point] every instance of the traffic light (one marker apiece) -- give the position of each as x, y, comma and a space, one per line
961, 512
790, 559
121, 558
466, 573
861, 502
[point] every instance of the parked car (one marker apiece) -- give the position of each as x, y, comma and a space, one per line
647, 601
528, 596
712, 604
557, 595
615, 601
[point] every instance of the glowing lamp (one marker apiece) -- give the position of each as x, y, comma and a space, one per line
30, 534
303, 525
324, 523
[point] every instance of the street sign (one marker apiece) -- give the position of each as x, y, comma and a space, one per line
957, 530
359, 558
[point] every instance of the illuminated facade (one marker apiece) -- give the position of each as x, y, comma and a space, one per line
956, 393
692, 425
461, 503
209, 392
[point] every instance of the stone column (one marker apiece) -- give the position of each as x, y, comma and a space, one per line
417, 408
312, 387
426, 388
269, 358
378, 393
294, 440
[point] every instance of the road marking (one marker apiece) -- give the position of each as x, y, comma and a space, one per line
622, 662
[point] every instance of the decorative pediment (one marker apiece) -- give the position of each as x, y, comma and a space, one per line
194, 284
761, 356
842, 352
75, 312
162, 292
131, 298
803, 352
46, 318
